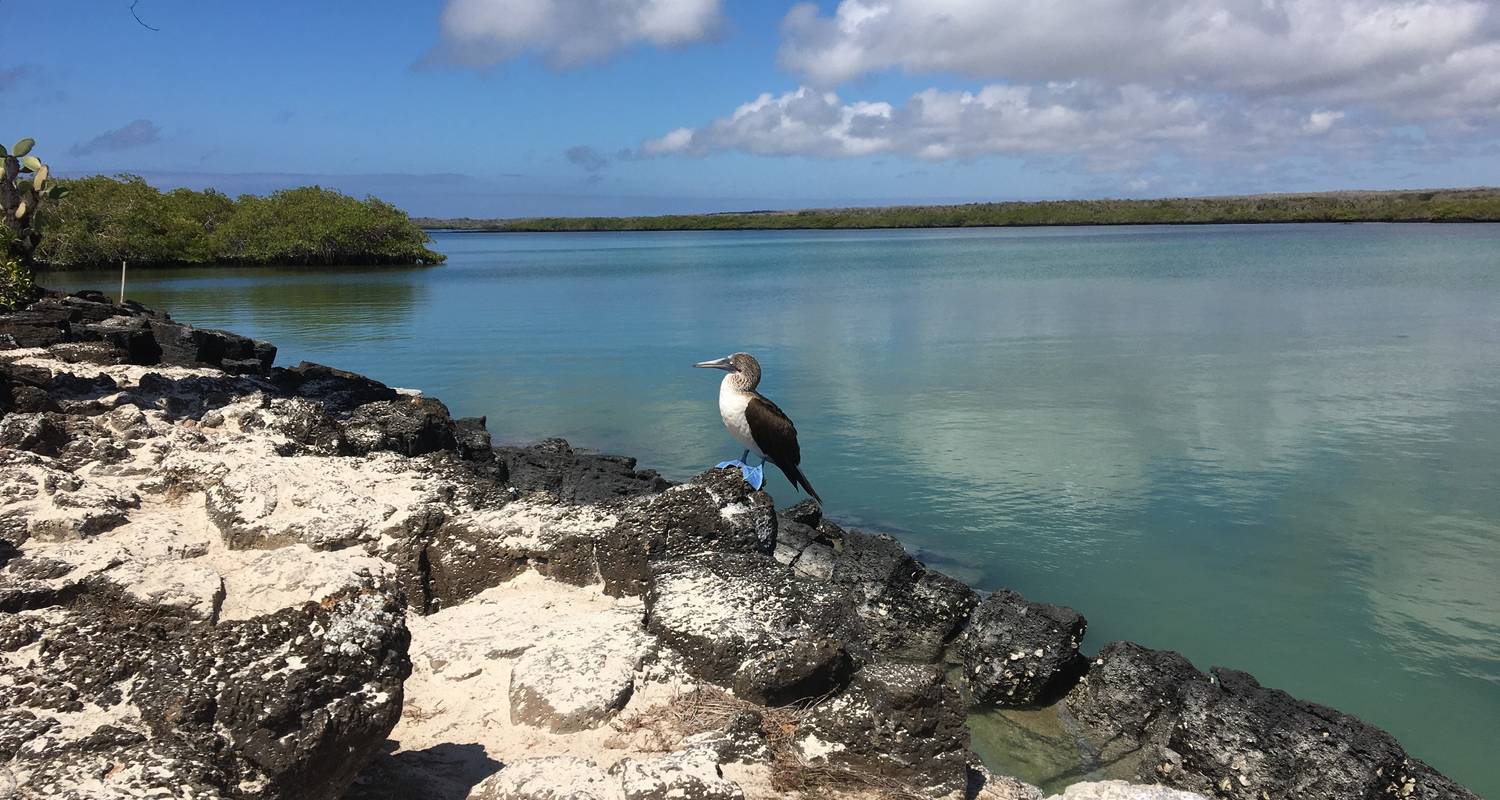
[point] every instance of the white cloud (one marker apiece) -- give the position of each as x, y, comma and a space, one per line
1112, 85
1350, 51
569, 33
799, 122
677, 141
1108, 128
1321, 121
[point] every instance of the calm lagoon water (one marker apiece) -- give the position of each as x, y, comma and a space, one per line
1275, 448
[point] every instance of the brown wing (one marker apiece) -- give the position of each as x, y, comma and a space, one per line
776, 436
773, 431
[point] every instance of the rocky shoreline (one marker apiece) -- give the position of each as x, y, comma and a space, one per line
225, 579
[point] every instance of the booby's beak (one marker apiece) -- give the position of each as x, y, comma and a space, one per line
718, 363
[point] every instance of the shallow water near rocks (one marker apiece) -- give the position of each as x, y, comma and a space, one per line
1042, 747
1268, 447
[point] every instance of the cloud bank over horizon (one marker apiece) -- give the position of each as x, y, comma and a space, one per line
1114, 85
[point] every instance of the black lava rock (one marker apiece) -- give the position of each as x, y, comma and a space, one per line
899, 721
909, 611
1017, 653
308, 427
339, 391
1237, 739
411, 426
184, 345
715, 512
1229, 737
804, 669
741, 619
473, 439
552, 465
40, 433
290, 703
1130, 696
37, 327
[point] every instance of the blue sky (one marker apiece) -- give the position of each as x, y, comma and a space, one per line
523, 107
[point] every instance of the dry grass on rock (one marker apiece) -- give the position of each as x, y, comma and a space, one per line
706, 709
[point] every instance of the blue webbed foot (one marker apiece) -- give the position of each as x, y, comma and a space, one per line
755, 476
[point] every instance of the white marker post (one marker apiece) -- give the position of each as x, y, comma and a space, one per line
122, 283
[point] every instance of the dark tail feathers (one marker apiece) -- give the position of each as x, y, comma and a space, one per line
795, 477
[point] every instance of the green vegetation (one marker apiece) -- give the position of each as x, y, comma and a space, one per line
1445, 205
25, 185
17, 288
103, 221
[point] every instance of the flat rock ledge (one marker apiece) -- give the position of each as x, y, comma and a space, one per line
225, 579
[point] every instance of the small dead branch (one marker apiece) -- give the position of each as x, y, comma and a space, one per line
663, 728
143, 24
174, 490
416, 713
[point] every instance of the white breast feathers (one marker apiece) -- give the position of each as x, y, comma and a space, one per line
732, 402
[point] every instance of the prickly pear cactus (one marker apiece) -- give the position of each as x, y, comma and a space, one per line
25, 183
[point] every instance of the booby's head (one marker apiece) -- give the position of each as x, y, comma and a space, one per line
742, 368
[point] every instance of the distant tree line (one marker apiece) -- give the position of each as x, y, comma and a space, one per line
1445, 205
102, 221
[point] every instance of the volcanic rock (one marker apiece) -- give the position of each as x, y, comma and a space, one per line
897, 720
715, 512
1017, 653
742, 619
552, 465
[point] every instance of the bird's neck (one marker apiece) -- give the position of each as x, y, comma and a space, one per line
735, 382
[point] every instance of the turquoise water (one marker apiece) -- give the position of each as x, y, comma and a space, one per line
1270, 447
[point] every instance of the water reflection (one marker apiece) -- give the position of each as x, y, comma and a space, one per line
308, 314
1268, 447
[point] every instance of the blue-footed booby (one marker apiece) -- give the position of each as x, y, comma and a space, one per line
757, 423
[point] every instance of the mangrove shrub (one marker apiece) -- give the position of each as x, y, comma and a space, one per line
103, 221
